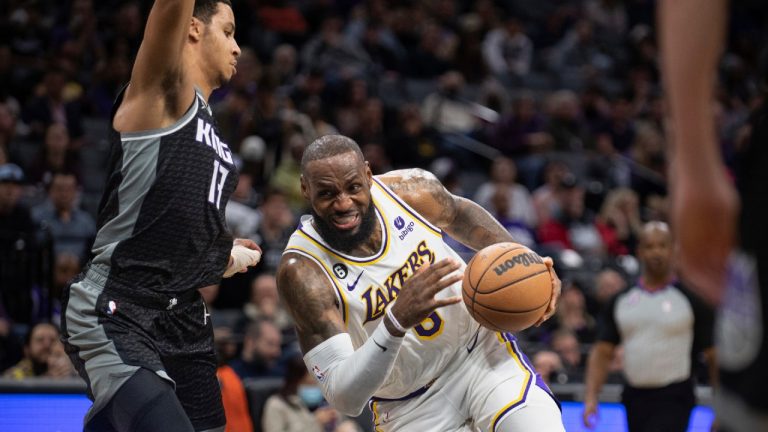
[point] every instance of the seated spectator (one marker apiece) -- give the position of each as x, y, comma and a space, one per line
445, 110
572, 314
503, 176
57, 155
500, 204
608, 283
574, 228
265, 303
38, 346
299, 406
71, 228
17, 245
59, 366
260, 356
549, 366
619, 221
242, 218
546, 196
566, 345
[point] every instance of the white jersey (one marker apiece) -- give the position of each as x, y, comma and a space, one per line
365, 287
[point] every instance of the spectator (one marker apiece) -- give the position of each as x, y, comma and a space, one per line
500, 209
242, 218
572, 314
662, 328
265, 303
287, 173
566, 345
574, 228
507, 50
260, 356
17, 245
299, 405
39, 344
549, 367
503, 177
445, 110
277, 223
546, 197
521, 132
53, 106
57, 155
71, 228
619, 221
58, 365
608, 283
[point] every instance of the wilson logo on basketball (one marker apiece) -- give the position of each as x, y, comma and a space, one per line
525, 259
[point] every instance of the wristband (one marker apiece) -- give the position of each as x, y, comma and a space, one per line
394, 321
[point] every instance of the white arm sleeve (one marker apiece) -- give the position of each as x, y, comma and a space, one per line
349, 378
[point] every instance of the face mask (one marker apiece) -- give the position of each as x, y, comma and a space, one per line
311, 395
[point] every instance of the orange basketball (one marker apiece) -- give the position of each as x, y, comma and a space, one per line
507, 287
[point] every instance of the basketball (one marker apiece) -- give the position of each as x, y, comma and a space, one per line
506, 287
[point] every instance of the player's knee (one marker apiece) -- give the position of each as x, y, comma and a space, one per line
147, 402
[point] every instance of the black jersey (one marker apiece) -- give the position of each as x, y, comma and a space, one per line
161, 226
742, 328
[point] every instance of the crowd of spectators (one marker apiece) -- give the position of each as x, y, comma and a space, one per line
547, 113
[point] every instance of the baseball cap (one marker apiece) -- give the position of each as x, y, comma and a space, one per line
11, 173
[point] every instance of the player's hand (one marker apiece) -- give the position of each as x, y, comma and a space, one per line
589, 416
245, 253
704, 218
416, 299
556, 287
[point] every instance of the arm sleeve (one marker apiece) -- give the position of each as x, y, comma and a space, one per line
349, 378
607, 330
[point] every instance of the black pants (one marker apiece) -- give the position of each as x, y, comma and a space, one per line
664, 409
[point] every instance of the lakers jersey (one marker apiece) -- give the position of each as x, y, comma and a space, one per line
366, 287
161, 226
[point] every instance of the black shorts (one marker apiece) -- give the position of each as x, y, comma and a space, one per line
109, 337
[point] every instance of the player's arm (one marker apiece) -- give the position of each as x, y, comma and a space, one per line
349, 377
704, 203
464, 220
156, 90
600, 358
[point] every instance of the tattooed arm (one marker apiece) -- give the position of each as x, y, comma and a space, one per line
462, 219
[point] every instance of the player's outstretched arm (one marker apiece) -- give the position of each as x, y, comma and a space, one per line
461, 218
156, 95
159, 59
464, 220
704, 202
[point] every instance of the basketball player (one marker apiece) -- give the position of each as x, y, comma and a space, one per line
134, 323
722, 250
375, 292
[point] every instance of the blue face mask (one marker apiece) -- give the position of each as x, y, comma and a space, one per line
311, 395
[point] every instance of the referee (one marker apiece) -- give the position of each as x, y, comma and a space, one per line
662, 328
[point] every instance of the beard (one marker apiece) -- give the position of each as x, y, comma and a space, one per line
346, 241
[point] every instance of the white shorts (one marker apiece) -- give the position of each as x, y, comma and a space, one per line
489, 383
